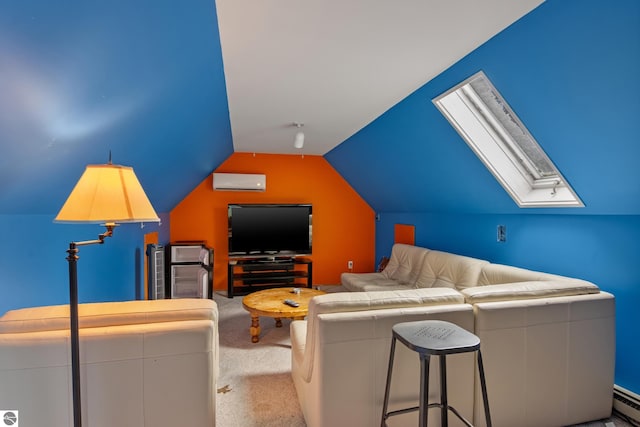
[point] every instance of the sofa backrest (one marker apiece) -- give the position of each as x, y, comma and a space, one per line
405, 263
94, 315
528, 290
495, 274
447, 270
152, 363
360, 301
364, 301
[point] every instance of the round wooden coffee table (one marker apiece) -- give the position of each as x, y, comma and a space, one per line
270, 303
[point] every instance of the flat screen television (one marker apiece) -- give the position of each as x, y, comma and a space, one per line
269, 229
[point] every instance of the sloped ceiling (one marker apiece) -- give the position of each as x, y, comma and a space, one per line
569, 69
145, 80
336, 65
142, 79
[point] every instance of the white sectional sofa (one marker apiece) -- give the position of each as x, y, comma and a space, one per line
143, 364
548, 343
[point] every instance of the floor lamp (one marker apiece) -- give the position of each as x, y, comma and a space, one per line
105, 194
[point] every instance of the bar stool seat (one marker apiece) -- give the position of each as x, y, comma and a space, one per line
434, 338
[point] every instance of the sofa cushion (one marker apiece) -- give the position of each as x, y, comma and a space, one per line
364, 282
405, 263
447, 270
384, 286
494, 274
93, 315
528, 290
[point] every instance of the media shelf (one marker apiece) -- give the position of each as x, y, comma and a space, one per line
246, 275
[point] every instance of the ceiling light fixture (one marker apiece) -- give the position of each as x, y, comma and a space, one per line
298, 141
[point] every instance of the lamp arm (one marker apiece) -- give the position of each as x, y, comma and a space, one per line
99, 240
73, 318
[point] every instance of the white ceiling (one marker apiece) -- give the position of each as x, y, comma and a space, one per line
336, 65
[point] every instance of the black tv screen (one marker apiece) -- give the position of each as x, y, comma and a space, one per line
269, 229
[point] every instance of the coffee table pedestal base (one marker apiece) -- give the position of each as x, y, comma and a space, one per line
270, 303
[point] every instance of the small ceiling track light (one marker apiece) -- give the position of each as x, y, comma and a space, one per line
298, 141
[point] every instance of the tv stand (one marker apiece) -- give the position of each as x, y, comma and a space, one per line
275, 260
246, 275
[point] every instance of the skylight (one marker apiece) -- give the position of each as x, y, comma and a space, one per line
492, 130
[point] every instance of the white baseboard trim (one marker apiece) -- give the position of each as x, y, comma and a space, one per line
626, 402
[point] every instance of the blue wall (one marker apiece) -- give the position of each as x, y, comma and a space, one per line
35, 271
570, 70
144, 80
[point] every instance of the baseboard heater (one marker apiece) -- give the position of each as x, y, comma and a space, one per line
626, 402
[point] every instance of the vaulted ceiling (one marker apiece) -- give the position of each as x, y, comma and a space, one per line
172, 89
336, 65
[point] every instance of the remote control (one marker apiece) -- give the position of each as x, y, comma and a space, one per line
291, 303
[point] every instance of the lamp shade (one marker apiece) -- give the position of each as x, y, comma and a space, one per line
107, 194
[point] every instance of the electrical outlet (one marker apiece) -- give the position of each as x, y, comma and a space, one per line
350, 265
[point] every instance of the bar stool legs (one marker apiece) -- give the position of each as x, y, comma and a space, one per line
434, 337
387, 387
423, 412
483, 385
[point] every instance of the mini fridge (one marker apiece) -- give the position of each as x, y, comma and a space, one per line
188, 271
155, 272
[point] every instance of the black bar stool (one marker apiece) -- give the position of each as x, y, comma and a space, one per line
434, 338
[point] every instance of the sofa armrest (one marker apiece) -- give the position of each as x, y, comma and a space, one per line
528, 290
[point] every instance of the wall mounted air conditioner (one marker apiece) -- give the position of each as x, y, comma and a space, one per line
239, 182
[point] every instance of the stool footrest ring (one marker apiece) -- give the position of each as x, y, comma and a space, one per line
429, 406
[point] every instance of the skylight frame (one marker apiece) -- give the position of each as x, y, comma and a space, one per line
493, 140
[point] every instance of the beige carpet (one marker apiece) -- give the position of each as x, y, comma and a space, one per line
254, 386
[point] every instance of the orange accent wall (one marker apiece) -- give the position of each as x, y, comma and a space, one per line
343, 223
404, 233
